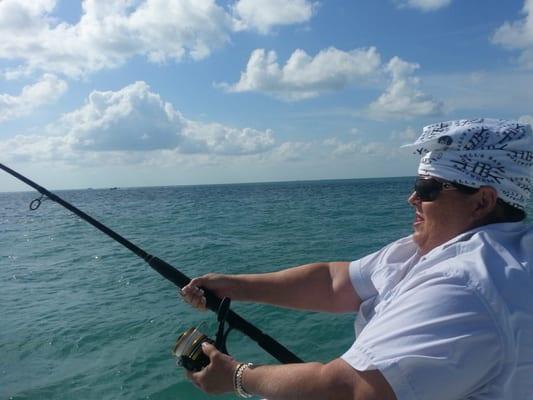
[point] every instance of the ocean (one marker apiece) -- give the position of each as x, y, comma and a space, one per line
81, 317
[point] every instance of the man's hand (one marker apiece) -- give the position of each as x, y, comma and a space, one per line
219, 284
217, 376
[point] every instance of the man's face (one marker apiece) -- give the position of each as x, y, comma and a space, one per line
440, 220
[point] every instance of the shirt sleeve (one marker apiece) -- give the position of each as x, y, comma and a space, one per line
361, 276
378, 272
437, 341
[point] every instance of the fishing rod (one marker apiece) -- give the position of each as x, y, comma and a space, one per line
170, 273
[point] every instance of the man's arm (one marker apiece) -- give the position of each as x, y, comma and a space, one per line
334, 380
316, 287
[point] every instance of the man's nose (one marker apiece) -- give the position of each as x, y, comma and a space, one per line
413, 199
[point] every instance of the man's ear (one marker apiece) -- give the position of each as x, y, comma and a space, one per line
485, 202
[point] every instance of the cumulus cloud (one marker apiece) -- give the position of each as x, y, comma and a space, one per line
110, 32
292, 151
133, 118
327, 149
135, 125
262, 15
339, 148
408, 135
36, 148
45, 91
130, 121
304, 76
518, 35
219, 139
403, 98
424, 5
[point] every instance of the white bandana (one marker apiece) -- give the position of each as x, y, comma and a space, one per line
478, 152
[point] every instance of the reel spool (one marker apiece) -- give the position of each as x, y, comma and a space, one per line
188, 348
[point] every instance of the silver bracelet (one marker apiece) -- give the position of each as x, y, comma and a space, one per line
237, 379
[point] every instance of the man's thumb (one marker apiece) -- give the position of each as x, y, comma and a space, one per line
208, 349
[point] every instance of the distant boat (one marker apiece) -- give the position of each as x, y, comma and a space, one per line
113, 188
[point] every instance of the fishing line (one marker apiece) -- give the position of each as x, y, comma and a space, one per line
235, 321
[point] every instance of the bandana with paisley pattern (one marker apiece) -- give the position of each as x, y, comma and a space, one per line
479, 152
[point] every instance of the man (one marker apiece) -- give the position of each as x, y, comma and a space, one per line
446, 313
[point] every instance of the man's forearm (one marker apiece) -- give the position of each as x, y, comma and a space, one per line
295, 381
317, 287
334, 380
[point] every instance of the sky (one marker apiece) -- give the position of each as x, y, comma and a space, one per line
122, 93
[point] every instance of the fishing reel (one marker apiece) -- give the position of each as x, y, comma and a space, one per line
188, 348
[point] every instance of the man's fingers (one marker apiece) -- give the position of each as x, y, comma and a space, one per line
200, 303
194, 296
191, 291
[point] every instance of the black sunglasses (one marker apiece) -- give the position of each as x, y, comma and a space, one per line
428, 189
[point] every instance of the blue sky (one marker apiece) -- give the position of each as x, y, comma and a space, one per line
167, 92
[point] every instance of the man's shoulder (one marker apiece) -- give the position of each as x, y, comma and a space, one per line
510, 237
491, 260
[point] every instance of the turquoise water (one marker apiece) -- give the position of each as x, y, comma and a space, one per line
82, 317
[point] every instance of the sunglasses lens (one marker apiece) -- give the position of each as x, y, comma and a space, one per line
427, 189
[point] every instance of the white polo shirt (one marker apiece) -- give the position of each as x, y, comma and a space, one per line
456, 323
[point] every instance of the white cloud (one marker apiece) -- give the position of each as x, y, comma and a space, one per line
304, 76
518, 35
110, 32
408, 135
403, 98
36, 148
129, 122
424, 5
333, 148
219, 139
339, 148
262, 15
292, 152
132, 118
45, 91
134, 125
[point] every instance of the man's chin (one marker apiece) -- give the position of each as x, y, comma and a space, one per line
418, 238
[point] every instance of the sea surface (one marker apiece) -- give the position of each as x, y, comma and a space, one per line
81, 317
